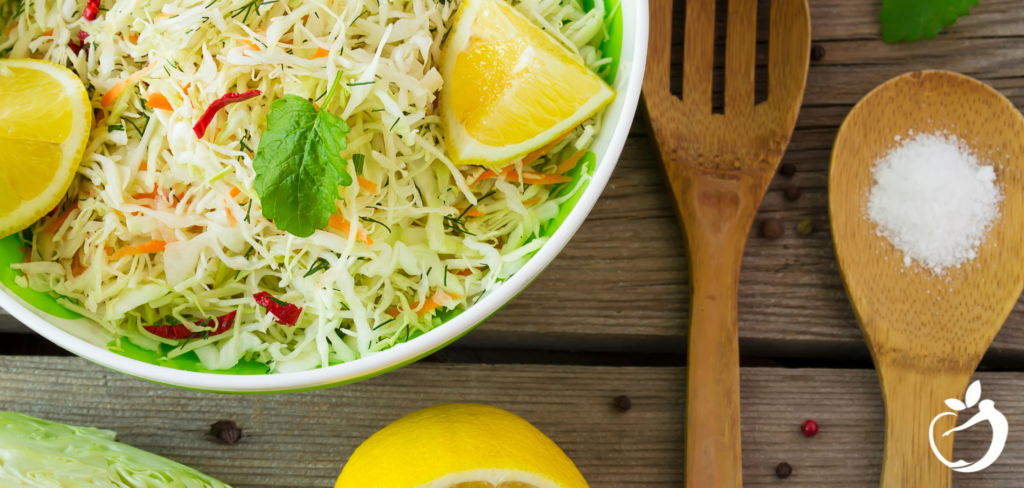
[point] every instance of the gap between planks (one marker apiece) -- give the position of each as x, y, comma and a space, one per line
303, 439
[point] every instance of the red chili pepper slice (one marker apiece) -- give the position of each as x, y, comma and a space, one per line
92, 8
211, 111
285, 312
77, 48
179, 331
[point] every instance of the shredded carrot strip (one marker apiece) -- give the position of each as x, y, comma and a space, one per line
7, 32
320, 53
340, 223
27, 251
249, 43
158, 100
134, 38
145, 196
529, 158
531, 201
474, 213
143, 166
145, 248
570, 163
463, 272
235, 191
76, 266
163, 15
439, 299
125, 83
48, 32
492, 173
368, 185
54, 226
232, 221
537, 178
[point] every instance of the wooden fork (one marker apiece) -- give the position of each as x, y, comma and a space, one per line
718, 167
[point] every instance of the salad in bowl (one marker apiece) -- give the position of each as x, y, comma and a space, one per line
284, 194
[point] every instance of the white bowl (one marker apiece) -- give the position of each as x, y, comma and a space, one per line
71, 335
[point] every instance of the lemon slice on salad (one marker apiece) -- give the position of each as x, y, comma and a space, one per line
460, 446
45, 117
510, 88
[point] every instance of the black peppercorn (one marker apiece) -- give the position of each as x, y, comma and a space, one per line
771, 228
622, 403
817, 52
227, 431
788, 169
783, 470
792, 194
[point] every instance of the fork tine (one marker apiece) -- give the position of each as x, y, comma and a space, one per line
659, 52
789, 51
740, 45
699, 52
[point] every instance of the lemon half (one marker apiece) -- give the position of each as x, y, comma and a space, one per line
45, 117
460, 446
509, 87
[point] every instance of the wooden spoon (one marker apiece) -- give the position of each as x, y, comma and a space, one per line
926, 332
718, 167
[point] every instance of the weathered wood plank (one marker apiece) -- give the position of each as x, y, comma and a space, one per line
303, 439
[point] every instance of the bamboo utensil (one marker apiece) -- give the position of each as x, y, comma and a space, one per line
718, 167
926, 332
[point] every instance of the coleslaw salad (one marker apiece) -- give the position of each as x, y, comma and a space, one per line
496, 294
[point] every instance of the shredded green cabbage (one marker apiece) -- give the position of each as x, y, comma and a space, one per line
44, 454
146, 177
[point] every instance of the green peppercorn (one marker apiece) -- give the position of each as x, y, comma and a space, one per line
805, 227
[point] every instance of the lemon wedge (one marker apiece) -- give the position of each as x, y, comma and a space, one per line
45, 117
460, 446
510, 88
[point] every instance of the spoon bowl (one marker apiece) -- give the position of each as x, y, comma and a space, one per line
926, 331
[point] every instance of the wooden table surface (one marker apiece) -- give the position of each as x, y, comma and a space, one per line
619, 291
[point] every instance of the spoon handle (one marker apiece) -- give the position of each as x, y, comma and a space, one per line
913, 398
716, 210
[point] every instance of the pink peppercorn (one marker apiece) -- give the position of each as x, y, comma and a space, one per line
809, 428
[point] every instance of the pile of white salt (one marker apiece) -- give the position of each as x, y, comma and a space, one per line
934, 201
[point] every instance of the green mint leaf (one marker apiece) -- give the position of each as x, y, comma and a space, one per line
910, 20
298, 166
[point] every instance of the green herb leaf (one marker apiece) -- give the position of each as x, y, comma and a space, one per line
298, 166
910, 20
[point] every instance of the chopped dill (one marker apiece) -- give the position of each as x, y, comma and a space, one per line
376, 222
248, 208
135, 127
358, 16
382, 324
320, 264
